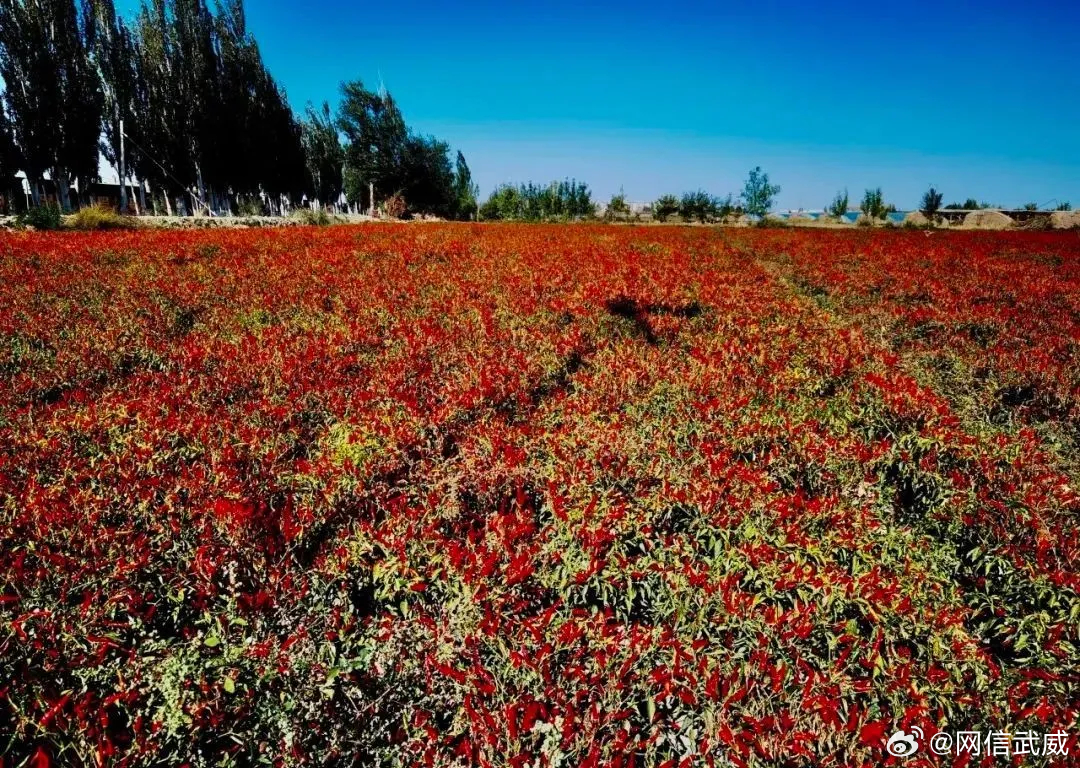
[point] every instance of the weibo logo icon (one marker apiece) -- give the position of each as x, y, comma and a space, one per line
902, 744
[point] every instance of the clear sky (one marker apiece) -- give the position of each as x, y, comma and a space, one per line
980, 99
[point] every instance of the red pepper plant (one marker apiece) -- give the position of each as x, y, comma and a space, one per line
513, 495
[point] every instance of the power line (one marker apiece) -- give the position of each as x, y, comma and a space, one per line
167, 173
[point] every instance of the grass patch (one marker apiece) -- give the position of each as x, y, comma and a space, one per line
95, 217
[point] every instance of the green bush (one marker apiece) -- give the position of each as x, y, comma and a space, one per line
315, 217
99, 217
40, 217
249, 206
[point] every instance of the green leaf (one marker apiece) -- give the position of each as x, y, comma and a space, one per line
212, 641
229, 685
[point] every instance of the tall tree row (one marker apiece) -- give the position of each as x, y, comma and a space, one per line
179, 101
53, 96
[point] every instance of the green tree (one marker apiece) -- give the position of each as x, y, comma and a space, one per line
193, 65
1030, 206
567, 199
723, 207
9, 150
375, 136
466, 191
169, 104
873, 204
699, 205
1066, 206
53, 95
839, 205
112, 51
261, 144
323, 154
504, 203
758, 193
617, 207
665, 207
427, 176
931, 204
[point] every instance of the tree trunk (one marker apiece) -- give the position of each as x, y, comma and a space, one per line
121, 171
63, 190
202, 189
168, 203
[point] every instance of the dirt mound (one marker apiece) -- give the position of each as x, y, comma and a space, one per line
987, 220
1065, 219
917, 219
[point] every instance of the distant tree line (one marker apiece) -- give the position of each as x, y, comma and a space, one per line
565, 200
203, 119
755, 200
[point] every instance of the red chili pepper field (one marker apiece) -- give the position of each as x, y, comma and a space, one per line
513, 495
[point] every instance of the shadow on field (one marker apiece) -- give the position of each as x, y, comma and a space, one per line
638, 314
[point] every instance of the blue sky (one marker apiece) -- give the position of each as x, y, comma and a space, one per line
979, 99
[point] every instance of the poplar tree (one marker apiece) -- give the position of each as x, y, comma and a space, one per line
375, 133
323, 154
53, 95
112, 51
465, 191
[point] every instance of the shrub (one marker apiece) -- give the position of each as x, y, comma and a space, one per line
394, 207
99, 217
315, 217
1038, 224
40, 217
249, 206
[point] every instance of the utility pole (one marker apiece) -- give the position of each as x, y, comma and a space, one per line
123, 176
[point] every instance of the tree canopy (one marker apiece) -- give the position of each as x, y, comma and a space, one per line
758, 193
203, 118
